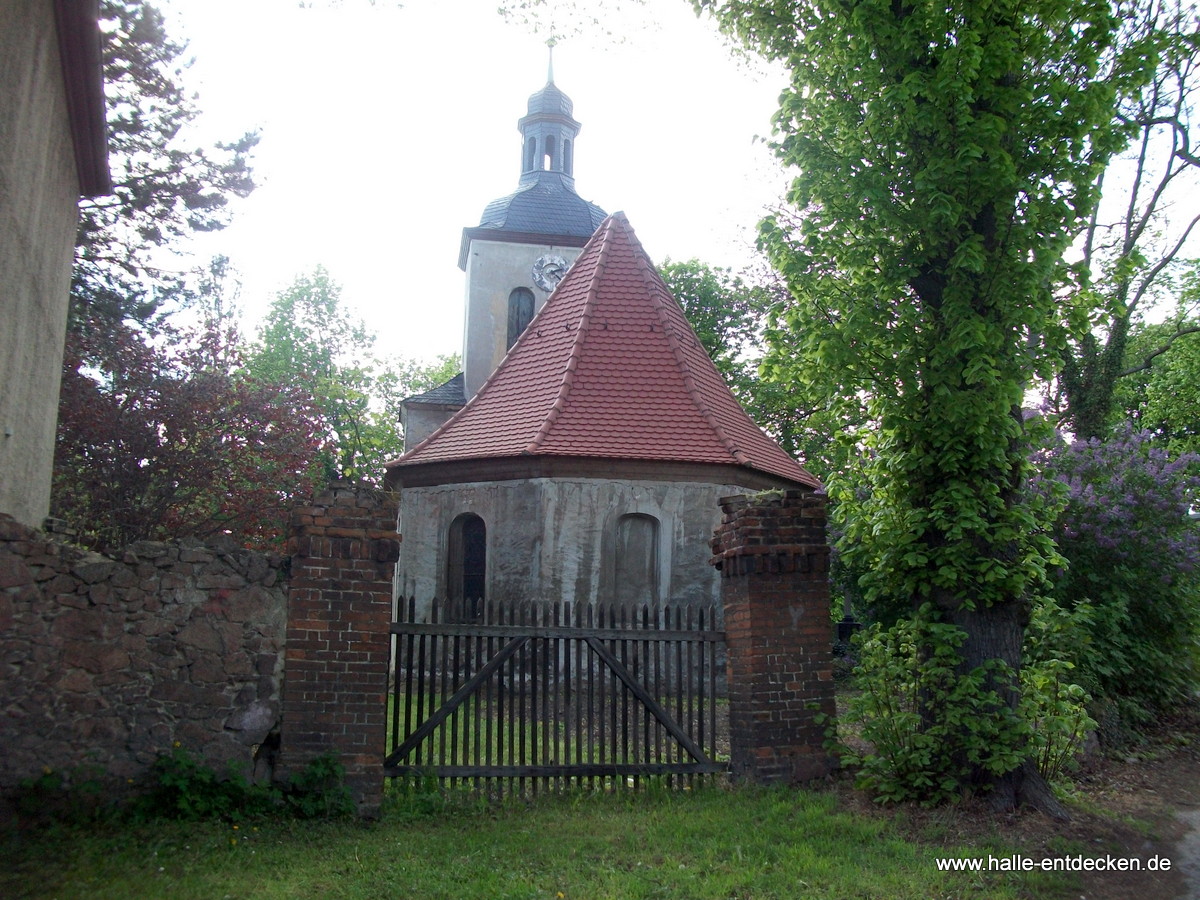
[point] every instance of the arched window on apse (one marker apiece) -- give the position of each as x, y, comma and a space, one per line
636, 557
466, 561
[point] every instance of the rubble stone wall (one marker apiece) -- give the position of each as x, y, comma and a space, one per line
105, 663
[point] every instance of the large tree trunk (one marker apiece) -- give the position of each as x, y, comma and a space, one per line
996, 632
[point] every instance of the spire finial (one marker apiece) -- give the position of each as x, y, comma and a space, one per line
550, 42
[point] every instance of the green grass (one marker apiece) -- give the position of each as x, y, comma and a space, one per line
713, 843
506, 740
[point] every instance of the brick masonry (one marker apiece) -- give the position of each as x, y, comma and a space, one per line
343, 549
773, 556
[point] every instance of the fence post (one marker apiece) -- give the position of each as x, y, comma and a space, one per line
774, 561
343, 548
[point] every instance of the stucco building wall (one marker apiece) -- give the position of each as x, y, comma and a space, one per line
556, 538
494, 270
38, 190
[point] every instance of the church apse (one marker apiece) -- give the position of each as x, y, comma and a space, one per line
595, 439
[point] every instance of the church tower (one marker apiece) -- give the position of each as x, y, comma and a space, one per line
525, 241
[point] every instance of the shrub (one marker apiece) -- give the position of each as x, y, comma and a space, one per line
184, 787
1055, 709
76, 796
913, 669
1133, 573
929, 725
318, 791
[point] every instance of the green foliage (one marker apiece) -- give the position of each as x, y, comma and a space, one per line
1055, 708
184, 787
1132, 581
726, 312
74, 797
1135, 247
946, 157
318, 791
930, 725
165, 189
310, 340
731, 315
1160, 397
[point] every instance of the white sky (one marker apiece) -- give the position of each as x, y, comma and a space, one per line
385, 132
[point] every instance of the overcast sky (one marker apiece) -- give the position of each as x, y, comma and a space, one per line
385, 132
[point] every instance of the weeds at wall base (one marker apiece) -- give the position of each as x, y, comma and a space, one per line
180, 787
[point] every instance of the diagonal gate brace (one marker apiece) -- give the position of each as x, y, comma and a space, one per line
429, 725
649, 702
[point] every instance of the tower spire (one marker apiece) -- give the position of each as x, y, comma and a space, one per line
550, 42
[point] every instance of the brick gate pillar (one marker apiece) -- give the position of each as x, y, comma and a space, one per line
774, 561
343, 548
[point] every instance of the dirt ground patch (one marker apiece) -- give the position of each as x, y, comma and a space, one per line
1141, 804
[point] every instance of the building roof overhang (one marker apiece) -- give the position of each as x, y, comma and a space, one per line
525, 468
78, 28
502, 235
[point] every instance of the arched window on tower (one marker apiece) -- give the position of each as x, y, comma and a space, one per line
520, 312
568, 162
466, 562
548, 162
530, 154
636, 558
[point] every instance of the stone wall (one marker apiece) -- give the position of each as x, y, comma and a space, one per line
109, 662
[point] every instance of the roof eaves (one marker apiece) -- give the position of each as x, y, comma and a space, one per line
484, 232
79, 43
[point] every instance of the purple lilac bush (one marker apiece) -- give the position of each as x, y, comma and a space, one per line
1132, 582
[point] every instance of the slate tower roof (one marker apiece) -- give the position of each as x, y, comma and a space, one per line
608, 370
545, 204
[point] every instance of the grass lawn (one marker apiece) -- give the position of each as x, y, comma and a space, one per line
746, 844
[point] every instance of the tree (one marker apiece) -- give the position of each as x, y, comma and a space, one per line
730, 314
171, 441
946, 157
309, 340
165, 187
1133, 246
1162, 399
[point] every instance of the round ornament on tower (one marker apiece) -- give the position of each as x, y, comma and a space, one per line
548, 271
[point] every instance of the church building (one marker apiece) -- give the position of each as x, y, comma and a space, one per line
582, 453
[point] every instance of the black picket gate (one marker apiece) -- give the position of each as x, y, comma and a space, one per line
528, 696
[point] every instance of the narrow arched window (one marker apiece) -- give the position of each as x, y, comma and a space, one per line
530, 154
520, 312
636, 557
466, 561
548, 164
568, 162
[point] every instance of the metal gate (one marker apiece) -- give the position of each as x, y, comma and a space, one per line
517, 697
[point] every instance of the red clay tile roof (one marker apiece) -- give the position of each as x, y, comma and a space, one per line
609, 368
